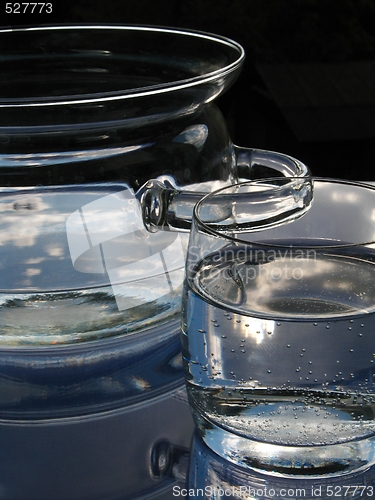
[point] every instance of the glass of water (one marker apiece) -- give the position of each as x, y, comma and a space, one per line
278, 323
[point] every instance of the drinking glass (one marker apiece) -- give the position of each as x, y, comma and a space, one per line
277, 329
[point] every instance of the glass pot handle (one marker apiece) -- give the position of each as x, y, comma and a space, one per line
259, 164
167, 208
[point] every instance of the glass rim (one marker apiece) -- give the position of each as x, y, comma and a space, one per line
207, 227
135, 92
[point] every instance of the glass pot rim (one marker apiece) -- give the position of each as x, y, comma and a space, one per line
206, 77
209, 227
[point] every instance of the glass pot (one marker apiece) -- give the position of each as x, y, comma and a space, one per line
103, 110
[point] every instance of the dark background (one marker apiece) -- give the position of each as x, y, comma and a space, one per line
308, 85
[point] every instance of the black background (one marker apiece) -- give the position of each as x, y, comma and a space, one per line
271, 31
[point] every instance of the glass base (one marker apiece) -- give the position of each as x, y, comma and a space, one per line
213, 478
297, 461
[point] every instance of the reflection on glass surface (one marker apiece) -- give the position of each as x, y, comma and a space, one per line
138, 452
92, 401
213, 478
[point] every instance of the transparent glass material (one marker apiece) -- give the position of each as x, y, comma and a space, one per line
120, 103
213, 478
278, 316
90, 300
124, 108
